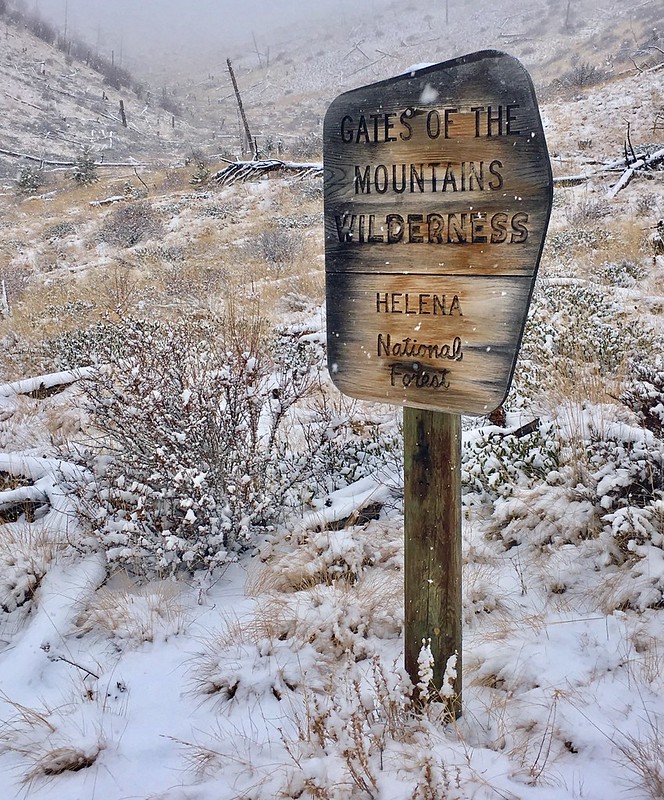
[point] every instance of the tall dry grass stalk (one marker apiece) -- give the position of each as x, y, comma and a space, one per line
569, 398
643, 758
27, 551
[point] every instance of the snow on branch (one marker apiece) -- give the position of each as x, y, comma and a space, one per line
345, 506
44, 385
250, 170
642, 161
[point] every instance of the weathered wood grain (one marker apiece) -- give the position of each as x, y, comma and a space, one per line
437, 183
432, 555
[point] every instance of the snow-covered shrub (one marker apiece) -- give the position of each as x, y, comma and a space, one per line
171, 254
350, 735
551, 513
220, 211
200, 176
335, 442
128, 225
360, 740
607, 492
585, 210
329, 557
278, 248
582, 74
630, 469
243, 669
131, 615
623, 273
645, 397
99, 343
349, 596
339, 749
14, 281
566, 244
574, 331
310, 189
307, 147
627, 465
188, 418
495, 461
578, 323
338, 447
59, 230
49, 741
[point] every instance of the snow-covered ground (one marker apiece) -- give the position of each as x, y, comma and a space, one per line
279, 673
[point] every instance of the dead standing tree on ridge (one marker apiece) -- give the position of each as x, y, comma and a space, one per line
250, 141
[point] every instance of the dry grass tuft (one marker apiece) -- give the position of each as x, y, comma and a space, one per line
26, 554
132, 615
61, 760
40, 738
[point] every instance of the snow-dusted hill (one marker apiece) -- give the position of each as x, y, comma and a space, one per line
52, 104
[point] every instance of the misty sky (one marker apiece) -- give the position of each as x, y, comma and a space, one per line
174, 25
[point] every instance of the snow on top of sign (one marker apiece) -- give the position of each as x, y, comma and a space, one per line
415, 68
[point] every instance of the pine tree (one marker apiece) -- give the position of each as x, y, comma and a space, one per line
30, 180
85, 168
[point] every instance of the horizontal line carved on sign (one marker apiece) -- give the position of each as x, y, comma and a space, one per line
434, 275
468, 261
478, 202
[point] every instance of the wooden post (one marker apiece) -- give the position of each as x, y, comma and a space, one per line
432, 532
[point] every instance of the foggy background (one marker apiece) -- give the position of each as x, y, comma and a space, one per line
141, 31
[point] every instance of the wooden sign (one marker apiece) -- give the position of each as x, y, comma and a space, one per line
438, 192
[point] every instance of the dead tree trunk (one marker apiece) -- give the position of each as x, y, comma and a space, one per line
250, 140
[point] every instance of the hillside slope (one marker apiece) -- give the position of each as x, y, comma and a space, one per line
51, 105
289, 75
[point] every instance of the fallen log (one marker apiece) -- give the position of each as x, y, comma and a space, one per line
51, 163
107, 201
240, 171
643, 161
45, 385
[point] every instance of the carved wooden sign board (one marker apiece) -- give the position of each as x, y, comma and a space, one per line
438, 192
